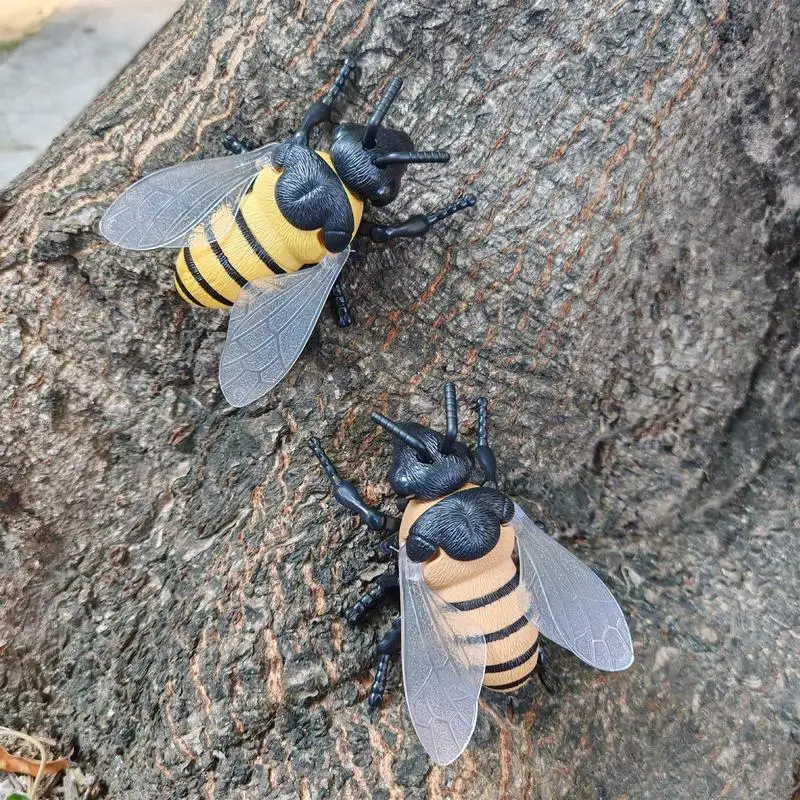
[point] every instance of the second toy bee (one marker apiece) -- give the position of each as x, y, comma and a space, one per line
265, 233
470, 615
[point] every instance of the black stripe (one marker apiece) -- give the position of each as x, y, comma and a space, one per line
502, 633
255, 246
471, 605
503, 686
185, 291
204, 284
227, 266
514, 662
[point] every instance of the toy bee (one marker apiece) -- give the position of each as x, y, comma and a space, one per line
266, 233
470, 614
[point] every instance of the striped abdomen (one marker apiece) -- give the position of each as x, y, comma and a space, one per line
487, 591
257, 242
512, 643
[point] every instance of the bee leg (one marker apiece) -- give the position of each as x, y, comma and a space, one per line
348, 496
416, 225
377, 593
234, 145
389, 547
344, 73
543, 672
484, 453
339, 299
320, 111
387, 647
513, 706
358, 252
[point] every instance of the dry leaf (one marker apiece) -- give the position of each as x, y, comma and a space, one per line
29, 766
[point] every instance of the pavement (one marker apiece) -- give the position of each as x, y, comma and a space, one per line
55, 57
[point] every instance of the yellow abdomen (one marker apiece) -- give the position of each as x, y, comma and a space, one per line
258, 241
487, 591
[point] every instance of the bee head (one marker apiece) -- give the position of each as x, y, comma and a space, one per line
371, 159
427, 464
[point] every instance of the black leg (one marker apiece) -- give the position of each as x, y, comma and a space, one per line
348, 496
389, 547
358, 251
513, 706
484, 453
415, 226
387, 647
339, 300
377, 593
234, 145
320, 111
544, 673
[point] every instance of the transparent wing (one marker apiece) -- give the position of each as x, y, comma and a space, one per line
568, 602
444, 659
169, 207
270, 323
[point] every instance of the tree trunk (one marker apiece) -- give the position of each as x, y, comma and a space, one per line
174, 570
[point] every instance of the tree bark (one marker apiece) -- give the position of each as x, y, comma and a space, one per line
173, 571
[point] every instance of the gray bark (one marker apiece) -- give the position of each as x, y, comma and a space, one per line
173, 571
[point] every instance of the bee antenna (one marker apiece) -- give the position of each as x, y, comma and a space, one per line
387, 98
403, 435
451, 412
412, 157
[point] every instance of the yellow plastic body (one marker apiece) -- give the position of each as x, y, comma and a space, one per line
457, 581
289, 247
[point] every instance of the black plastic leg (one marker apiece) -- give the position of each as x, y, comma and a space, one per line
341, 79
543, 671
320, 111
339, 300
348, 496
358, 251
389, 547
377, 593
484, 453
415, 226
234, 145
513, 705
387, 647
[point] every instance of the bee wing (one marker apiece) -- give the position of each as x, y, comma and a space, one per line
444, 658
568, 602
270, 323
166, 208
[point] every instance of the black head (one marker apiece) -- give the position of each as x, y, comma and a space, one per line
427, 464
371, 159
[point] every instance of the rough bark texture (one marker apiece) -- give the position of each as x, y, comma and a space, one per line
625, 293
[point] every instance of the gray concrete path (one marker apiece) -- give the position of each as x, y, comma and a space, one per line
47, 79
